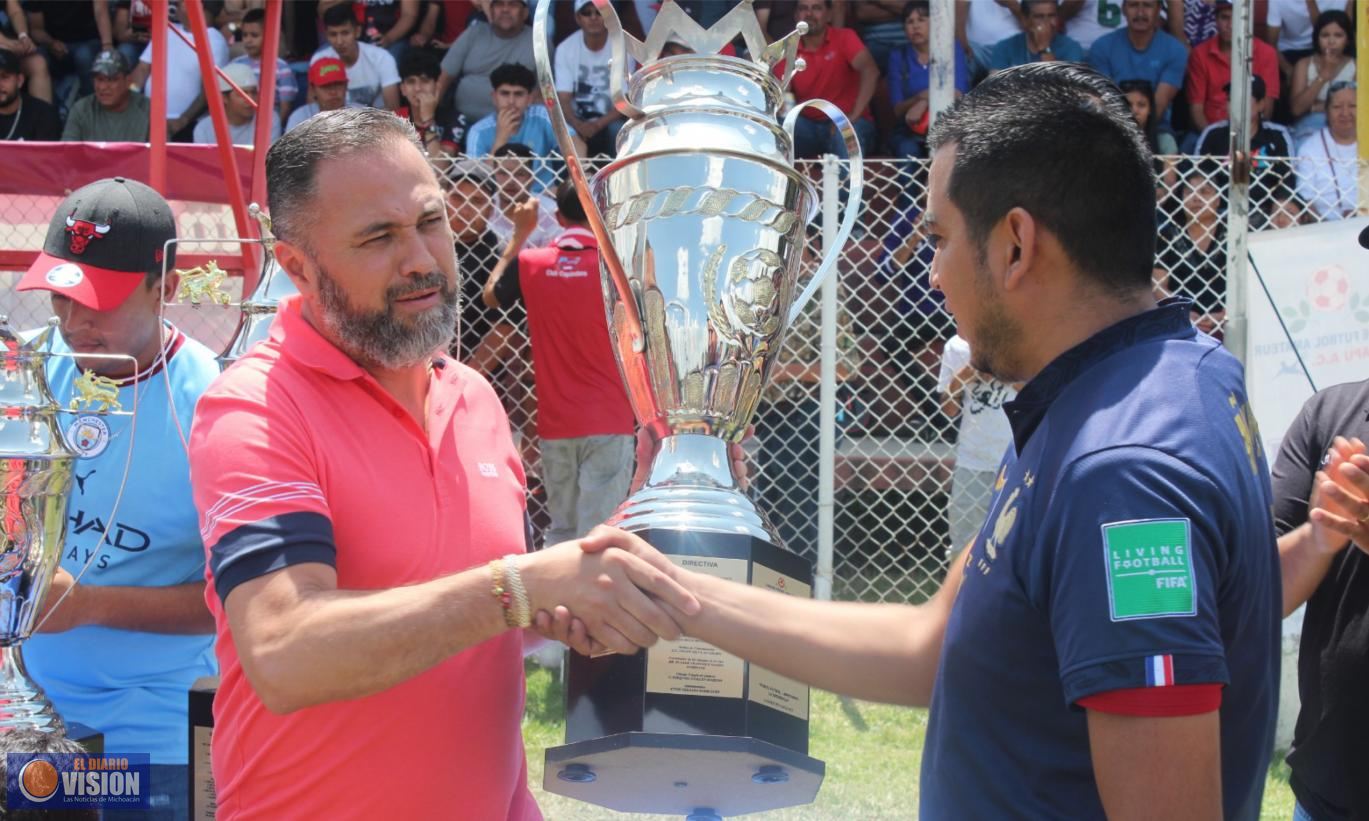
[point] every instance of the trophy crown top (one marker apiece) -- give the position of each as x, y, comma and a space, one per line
673, 24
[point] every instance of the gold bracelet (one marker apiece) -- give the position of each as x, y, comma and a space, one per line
501, 592
520, 611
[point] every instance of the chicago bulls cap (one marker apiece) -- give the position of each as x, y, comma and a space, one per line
104, 240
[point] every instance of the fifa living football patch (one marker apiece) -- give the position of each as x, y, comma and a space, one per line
1149, 569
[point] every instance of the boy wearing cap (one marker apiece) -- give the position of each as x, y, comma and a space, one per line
121, 651
23, 117
242, 117
253, 31
115, 112
328, 81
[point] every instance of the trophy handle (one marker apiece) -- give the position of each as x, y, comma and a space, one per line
617, 75
608, 256
848, 220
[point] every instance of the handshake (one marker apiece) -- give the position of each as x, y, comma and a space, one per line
607, 592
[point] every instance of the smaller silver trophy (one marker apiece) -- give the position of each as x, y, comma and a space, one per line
35, 483
259, 309
205, 284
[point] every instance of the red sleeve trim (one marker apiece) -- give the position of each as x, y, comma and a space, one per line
1179, 700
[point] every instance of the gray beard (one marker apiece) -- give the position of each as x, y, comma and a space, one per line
380, 338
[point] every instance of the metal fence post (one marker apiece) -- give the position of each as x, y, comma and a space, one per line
1238, 204
827, 390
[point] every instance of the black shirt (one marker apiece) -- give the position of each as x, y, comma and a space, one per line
1330, 754
71, 21
477, 260
1269, 172
36, 121
1194, 272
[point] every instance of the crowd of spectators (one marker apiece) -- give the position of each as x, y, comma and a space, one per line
463, 72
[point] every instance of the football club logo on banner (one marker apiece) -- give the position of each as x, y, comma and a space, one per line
66, 781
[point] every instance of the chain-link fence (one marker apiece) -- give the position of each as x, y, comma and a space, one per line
913, 460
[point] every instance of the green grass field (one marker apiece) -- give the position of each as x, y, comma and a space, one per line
873, 754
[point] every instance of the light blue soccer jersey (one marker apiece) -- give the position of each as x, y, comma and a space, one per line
132, 686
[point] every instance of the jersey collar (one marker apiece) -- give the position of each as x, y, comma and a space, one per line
1168, 320
575, 238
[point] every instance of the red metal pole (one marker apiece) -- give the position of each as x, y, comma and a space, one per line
157, 130
195, 12
218, 72
266, 92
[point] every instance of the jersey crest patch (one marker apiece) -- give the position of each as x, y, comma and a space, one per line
88, 435
1149, 569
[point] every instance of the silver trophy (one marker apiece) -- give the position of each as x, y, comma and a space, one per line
35, 483
205, 284
259, 309
701, 222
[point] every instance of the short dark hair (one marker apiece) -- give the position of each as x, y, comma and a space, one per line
1058, 140
513, 150
339, 15
1027, 5
1341, 19
254, 16
513, 74
419, 62
911, 6
292, 163
568, 203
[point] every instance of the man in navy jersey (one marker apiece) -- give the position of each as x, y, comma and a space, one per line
1108, 645
121, 650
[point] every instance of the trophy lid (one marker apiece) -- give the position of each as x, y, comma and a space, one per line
673, 25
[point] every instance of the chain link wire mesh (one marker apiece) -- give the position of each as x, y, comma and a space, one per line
896, 435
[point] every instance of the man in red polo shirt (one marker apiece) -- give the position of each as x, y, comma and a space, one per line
363, 509
1209, 73
839, 70
583, 416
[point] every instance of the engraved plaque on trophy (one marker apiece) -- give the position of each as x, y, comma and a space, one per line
701, 221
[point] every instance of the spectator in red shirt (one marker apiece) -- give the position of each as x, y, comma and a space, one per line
840, 70
583, 416
1209, 72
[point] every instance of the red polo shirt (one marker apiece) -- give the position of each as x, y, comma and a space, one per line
828, 73
1209, 71
298, 455
579, 389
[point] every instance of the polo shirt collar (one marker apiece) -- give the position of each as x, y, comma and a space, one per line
307, 346
1169, 320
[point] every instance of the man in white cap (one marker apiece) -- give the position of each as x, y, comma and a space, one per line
242, 114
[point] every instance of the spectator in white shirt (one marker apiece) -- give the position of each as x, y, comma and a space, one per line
1327, 167
184, 88
372, 75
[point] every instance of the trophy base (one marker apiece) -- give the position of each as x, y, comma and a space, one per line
91, 739
682, 774
23, 705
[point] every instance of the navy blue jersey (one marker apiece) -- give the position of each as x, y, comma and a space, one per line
1129, 543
